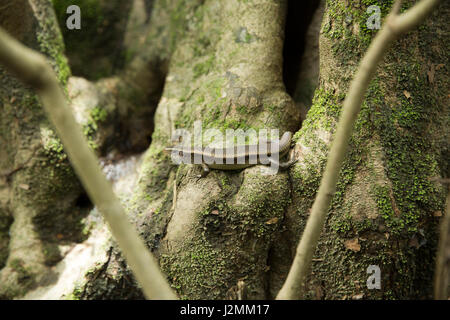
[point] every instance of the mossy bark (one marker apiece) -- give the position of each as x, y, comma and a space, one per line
42, 204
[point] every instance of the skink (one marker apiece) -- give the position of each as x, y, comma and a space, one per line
241, 156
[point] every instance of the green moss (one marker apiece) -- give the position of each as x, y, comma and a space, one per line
208, 269
225, 184
177, 21
156, 165
409, 161
202, 260
5, 222
344, 18
53, 147
90, 129
324, 112
211, 112
51, 44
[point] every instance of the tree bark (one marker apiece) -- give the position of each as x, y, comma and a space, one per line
385, 210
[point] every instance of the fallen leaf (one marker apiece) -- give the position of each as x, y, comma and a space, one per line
215, 211
353, 245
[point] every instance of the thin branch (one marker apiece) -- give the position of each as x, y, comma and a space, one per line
32, 68
394, 26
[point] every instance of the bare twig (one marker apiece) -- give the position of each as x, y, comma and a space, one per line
394, 26
32, 68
